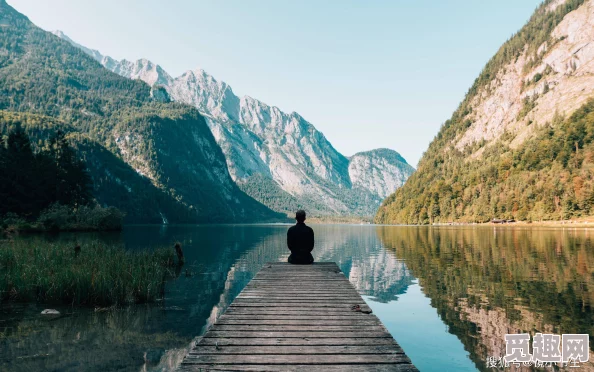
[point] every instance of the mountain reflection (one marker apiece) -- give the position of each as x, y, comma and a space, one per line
220, 261
371, 269
486, 282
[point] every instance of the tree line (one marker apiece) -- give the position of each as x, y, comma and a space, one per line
31, 181
550, 177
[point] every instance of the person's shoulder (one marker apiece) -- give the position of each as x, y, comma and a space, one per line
292, 228
309, 228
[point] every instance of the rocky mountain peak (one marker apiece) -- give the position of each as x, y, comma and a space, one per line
270, 152
380, 170
92, 52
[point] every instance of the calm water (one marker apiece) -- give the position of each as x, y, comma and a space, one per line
448, 294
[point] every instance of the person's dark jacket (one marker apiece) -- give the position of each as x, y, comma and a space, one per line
300, 240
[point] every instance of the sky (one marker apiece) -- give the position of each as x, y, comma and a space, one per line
367, 73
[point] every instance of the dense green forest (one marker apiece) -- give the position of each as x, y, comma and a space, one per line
48, 188
548, 178
154, 160
31, 182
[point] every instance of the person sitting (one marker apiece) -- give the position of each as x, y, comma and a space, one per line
300, 240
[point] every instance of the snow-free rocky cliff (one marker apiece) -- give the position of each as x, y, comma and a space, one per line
278, 158
560, 83
519, 146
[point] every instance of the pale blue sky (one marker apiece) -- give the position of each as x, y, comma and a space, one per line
368, 74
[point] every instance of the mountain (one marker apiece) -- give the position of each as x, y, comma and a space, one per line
521, 143
381, 171
280, 159
155, 160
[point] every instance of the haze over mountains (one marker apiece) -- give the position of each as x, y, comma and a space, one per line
280, 159
521, 144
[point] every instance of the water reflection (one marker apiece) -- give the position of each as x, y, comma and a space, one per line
221, 260
451, 291
486, 282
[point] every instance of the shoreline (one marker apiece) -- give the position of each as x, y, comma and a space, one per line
576, 222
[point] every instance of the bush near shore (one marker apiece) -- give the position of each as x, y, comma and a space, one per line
92, 274
64, 218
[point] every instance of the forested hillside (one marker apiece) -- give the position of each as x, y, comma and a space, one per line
156, 160
520, 144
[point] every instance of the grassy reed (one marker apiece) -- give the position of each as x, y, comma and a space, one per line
98, 275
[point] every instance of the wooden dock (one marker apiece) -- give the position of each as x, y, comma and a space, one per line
294, 317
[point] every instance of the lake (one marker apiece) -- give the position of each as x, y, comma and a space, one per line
448, 295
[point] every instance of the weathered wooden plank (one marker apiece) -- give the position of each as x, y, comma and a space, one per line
290, 299
298, 285
296, 312
297, 328
286, 264
299, 288
291, 310
297, 350
290, 290
300, 295
287, 334
318, 294
298, 318
289, 277
266, 341
288, 304
304, 322
294, 318
292, 283
314, 359
299, 274
328, 294
298, 301
313, 271
299, 281
301, 292
301, 367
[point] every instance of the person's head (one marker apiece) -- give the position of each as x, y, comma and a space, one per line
300, 215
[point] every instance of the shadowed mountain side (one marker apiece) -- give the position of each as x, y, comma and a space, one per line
167, 143
115, 183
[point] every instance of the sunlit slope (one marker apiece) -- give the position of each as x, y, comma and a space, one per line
520, 143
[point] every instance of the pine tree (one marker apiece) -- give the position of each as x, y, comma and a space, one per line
72, 183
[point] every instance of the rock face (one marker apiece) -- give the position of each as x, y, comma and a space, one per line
488, 160
381, 171
273, 155
560, 82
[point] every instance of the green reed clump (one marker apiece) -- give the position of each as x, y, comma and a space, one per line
96, 274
